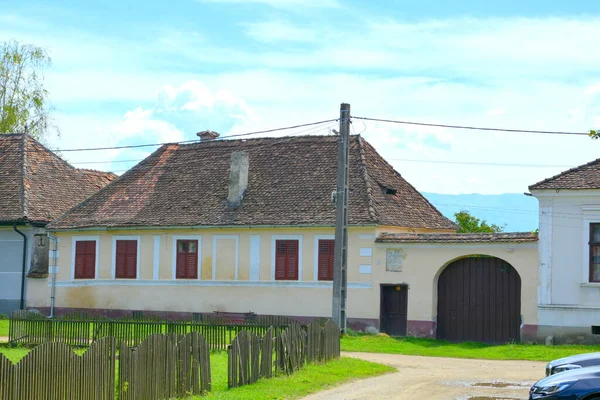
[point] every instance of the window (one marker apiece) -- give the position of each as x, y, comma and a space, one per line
126, 259
286, 260
187, 259
594, 252
85, 259
326, 256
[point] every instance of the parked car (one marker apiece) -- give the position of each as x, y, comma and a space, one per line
572, 362
575, 384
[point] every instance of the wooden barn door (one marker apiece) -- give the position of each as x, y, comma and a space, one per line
479, 299
394, 307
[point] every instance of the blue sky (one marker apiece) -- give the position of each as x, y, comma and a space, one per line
137, 72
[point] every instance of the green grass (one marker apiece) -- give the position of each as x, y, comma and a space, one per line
3, 327
439, 348
310, 379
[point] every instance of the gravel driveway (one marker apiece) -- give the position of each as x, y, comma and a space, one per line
440, 378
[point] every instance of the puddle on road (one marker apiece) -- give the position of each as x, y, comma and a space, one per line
491, 398
499, 385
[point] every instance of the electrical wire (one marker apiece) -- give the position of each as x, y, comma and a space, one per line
469, 127
198, 140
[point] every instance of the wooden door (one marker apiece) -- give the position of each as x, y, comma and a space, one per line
394, 309
479, 299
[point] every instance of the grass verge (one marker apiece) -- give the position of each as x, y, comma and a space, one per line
440, 348
310, 379
3, 327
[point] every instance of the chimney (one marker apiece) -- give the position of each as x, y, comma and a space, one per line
238, 177
207, 135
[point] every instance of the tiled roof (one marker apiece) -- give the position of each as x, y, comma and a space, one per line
586, 176
37, 185
509, 237
290, 182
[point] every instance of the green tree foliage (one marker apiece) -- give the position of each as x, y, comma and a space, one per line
470, 224
24, 104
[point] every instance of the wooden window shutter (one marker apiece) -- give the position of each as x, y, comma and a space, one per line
325, 259
131, 260
191, 267
187, 259
292, 257
286, 260
126, 259
280, 260
85, 259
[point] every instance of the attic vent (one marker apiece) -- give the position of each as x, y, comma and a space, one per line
390, 191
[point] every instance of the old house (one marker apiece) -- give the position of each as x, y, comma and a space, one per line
248, 225
569, 254
36, 186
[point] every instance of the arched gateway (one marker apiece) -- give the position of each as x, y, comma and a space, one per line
479, 299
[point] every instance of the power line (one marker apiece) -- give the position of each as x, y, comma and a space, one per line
197, 140
273, 142
470, 127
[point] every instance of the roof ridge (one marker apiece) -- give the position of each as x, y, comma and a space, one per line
365, 174
24, 197
568, 171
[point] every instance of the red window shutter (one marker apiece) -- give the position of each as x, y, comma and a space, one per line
292, 260
85, 259
126, 259
187, 259
286, 260
280, 259
325, 258
79, 260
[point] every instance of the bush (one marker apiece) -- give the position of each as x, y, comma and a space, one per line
3, 316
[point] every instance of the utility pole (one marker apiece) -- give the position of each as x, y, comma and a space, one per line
340, 261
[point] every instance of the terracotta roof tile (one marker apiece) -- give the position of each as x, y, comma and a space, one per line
504, 237
586, 176
290, 182
39, 186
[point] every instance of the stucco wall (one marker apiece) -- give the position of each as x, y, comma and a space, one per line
569, 304
423, 263
255, 290
11, 256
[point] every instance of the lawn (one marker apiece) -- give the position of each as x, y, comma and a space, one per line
310, 379
3, 327
438, 348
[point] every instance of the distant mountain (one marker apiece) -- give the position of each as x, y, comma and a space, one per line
517, 211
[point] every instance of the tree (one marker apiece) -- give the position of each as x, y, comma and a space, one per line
470, 224
24, 104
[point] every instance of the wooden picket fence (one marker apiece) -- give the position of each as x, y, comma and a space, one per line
160, 368
251, 358
82, 329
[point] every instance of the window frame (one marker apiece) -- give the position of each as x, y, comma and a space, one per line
274, 239
174, 256
590, 246
74, 241
316, 255
114, 257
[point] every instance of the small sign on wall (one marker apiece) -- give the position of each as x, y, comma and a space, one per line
394, 260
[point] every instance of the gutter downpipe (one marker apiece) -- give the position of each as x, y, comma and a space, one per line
24, 267
53, 290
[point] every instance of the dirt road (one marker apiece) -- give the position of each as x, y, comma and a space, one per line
435, 378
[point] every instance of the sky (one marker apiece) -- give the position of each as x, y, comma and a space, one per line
154, 71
